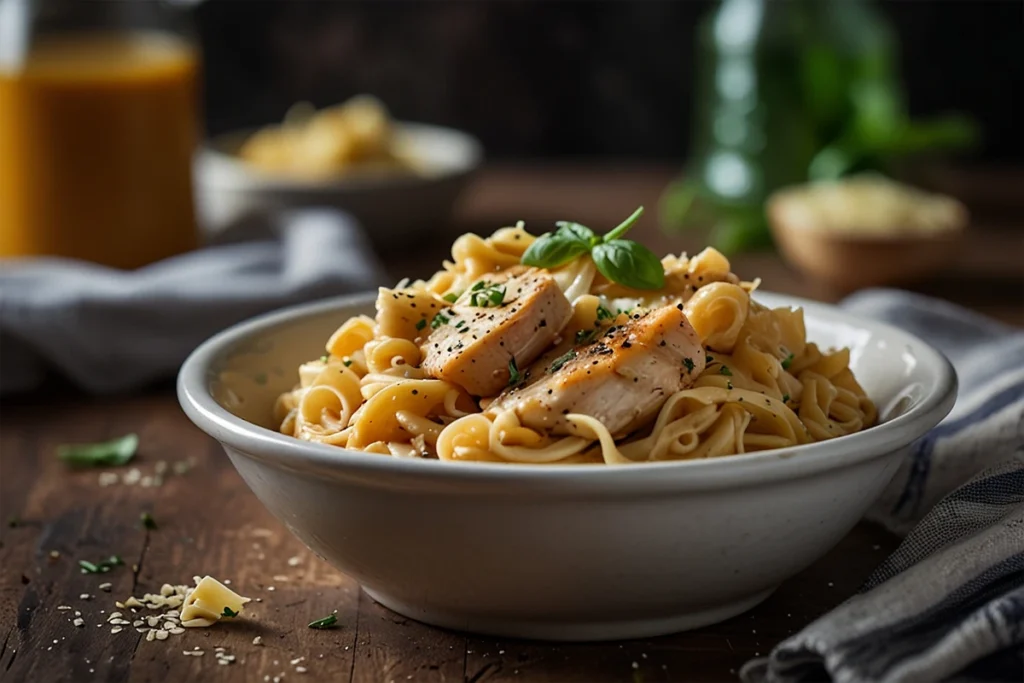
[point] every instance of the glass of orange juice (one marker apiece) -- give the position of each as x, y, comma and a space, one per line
99, 119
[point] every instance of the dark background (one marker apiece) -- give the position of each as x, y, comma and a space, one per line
560, 79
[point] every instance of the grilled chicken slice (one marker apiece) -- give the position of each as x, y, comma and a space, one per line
512, 316
622, 379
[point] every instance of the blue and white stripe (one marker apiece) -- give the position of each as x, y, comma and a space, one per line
950, 600
985, 427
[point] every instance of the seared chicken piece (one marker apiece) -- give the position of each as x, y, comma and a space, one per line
622, 379
501, 322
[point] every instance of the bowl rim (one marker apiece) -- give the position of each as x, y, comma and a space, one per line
237, 175
282, 451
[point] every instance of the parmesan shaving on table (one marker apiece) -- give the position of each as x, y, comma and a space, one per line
209, 602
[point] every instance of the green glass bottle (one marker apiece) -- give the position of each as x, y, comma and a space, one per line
788, 91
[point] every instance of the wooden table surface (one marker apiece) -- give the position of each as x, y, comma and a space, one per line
209, 523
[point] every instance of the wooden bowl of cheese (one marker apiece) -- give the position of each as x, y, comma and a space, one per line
865, 231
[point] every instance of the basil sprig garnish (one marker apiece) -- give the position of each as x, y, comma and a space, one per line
623, 261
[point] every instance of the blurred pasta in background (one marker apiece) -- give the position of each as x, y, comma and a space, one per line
356, 136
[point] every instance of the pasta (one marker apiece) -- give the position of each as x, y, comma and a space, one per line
357, 135
754, 384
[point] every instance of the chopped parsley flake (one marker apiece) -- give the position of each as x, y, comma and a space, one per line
603, 313
347, 362
585, 336
557, 364
421, 323
439, 319
787, 361
688, 362
514, 376
101, 567
785, 398
450, 297
725, 371
228, 612
323, 359
484, 294
330, 621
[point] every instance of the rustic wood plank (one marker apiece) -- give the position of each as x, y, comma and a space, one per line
235, 539
393, 648
54, 518
713, 653
210, 523
72, 526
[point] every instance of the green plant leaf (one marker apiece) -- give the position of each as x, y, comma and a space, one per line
551, 250
630, 264
739, 232
576, 231
946, 133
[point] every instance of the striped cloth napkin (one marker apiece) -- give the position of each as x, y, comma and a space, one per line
949, 603
110, 330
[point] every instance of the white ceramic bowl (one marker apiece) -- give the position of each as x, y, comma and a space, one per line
561, 552
393, 208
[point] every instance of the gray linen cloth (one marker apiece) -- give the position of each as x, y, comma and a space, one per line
111, 330
949, 603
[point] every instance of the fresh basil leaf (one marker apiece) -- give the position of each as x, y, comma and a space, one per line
623, 227
551, 250
576, 231
629, 264
114, 452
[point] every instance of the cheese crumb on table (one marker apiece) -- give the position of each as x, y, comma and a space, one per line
202, 605
210, 601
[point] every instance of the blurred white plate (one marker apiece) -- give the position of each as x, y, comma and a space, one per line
389, 205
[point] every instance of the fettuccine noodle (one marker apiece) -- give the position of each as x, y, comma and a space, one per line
764, 385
